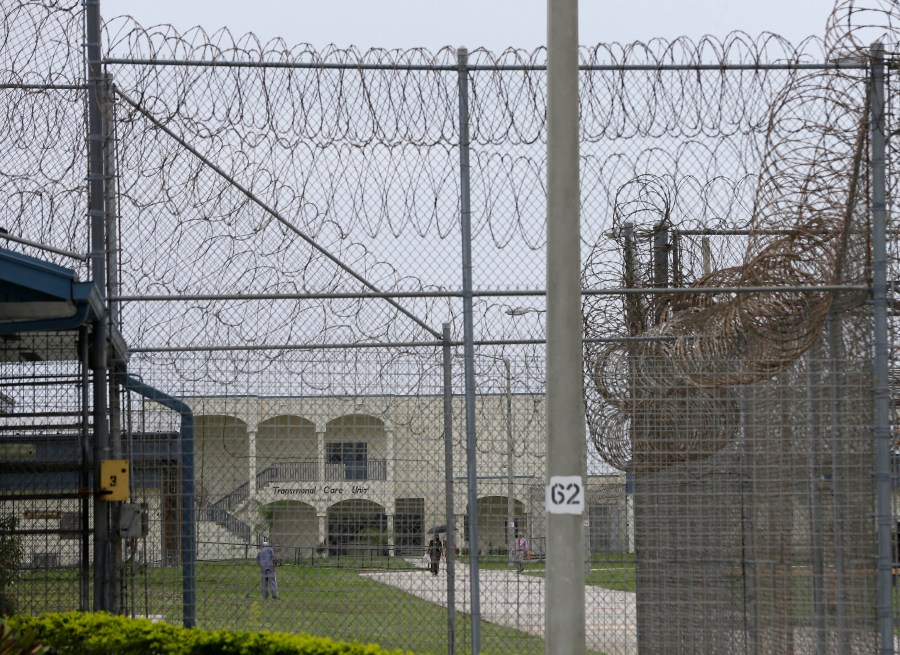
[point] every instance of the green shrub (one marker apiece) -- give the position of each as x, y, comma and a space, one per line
14, 641
11, 552
106, 634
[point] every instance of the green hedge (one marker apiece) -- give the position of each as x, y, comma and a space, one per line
19, 642
106, 634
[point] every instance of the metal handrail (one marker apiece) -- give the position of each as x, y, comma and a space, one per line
375, 469
299, 471
234, 498
227, 520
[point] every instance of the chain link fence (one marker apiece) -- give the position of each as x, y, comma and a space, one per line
273, 354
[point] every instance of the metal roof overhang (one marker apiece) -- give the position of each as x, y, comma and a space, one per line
42, 305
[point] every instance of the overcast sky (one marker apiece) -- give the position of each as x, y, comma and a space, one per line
494, 24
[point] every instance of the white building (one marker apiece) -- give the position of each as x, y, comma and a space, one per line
319, 476
342, 475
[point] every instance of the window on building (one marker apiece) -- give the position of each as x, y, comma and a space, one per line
353, 455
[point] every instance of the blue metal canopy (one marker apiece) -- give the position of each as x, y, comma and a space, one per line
43, 305
37, 295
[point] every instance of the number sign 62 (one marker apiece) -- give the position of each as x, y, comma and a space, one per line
565, 495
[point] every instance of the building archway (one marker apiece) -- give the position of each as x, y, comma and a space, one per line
357, 527
492, 523
356, 448
286, 450
221, 448
292, 526
285, 438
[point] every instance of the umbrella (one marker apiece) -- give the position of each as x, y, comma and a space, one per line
437, 529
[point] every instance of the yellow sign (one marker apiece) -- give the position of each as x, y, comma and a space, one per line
114, 479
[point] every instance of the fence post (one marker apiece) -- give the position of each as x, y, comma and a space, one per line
448, 492
188, 516
111, 282
881, 391
468, 348
814, 414
104, 575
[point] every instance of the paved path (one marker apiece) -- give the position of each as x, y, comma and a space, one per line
517, 601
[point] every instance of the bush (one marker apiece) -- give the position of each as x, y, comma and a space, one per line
19, 642
11, 553
106, 634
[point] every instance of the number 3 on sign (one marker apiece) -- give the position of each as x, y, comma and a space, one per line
565, 495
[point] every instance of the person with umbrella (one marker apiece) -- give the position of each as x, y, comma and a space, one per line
435, 548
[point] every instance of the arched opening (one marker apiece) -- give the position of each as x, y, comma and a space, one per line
286, 450
221, 452
292, 527
357, 527
355, 448
493, 517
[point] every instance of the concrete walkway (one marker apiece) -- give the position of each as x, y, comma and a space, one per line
517, 601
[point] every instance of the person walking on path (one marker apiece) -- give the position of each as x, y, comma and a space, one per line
434, 554
265, 558
520, 548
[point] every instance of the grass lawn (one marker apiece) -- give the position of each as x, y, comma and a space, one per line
608, 570
325, 600
612, 571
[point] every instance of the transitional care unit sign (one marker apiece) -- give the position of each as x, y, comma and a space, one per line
565, 495
327, 490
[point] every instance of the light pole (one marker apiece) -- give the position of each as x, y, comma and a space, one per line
510, 501
510, 471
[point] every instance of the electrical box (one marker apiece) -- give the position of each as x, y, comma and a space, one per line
133, 520
114, 479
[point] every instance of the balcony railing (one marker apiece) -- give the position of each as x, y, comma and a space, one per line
303, 471
308, 471
373, 469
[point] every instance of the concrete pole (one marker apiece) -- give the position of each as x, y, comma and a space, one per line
564, 599
85, 470
320, 453
251, 460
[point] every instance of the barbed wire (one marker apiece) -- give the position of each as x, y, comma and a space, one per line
802, 229
361, 148
358, 152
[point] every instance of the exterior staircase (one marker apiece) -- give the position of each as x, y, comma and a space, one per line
222, 511
219, 513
